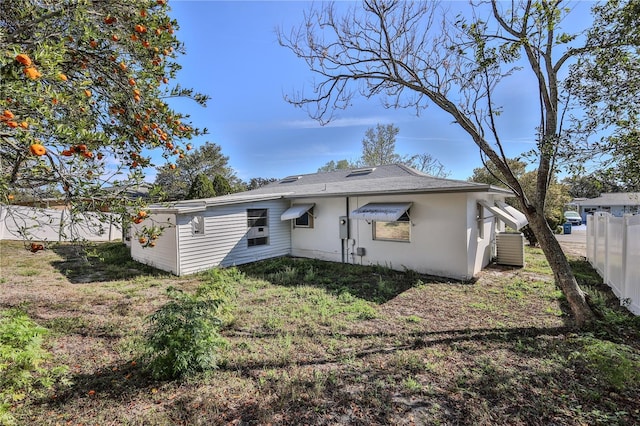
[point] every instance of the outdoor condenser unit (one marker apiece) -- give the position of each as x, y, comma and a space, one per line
510, 248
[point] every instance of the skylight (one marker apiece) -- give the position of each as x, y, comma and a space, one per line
361, 172
290, 179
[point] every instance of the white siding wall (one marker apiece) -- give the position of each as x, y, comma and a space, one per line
439, 235
224, 242
164, 255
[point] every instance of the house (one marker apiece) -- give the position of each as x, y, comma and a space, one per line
389, 215
616, 203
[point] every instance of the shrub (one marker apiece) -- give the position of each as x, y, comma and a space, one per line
184, 334
22, 358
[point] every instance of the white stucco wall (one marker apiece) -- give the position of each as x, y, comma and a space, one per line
323, 240
440, 235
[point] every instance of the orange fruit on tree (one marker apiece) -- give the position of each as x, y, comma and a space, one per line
172, 166
109, 20
24, 59
12, 124
62, 77
115, 37
123, 66
24, 124
139, 28
93, 44
87, 93
142, 240
134, 37
38, 149
7, 115
143, 13
132, 82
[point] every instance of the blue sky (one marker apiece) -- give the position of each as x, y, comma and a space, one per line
232, 55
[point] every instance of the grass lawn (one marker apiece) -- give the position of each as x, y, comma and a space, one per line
320, 343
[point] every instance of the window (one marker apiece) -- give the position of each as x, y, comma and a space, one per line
197, 225
480, 220
399, 230
257, 222
304, 221
256, 217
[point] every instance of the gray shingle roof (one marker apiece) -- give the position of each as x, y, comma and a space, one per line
612, 199
387, 179
392, 178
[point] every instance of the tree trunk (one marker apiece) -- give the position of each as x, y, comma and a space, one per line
563, 274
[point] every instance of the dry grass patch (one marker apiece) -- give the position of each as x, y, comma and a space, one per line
321, 343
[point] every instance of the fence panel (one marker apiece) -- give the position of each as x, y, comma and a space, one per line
613, 248
591, 241
632, 265
41, 224
600, 242
613, 275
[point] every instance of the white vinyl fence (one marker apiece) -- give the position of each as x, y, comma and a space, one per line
39, 224
613, 249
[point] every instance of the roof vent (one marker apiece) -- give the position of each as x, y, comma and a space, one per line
290, 179
361, 172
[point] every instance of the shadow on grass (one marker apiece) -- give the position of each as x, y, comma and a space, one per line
86, 263
377, 284
369, 389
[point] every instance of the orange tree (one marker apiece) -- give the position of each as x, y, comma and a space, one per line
83, 98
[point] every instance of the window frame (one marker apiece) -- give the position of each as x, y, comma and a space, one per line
405, 219
255, 220
309, 216
480, 217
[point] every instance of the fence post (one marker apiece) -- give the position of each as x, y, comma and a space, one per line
625, 249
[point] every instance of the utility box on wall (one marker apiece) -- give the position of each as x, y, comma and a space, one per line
344, 227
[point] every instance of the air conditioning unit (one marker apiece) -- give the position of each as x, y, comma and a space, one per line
258, 232
510, 248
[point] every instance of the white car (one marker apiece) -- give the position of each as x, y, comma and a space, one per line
573, 218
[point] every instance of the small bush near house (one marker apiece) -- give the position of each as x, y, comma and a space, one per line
184, 335
22, 357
